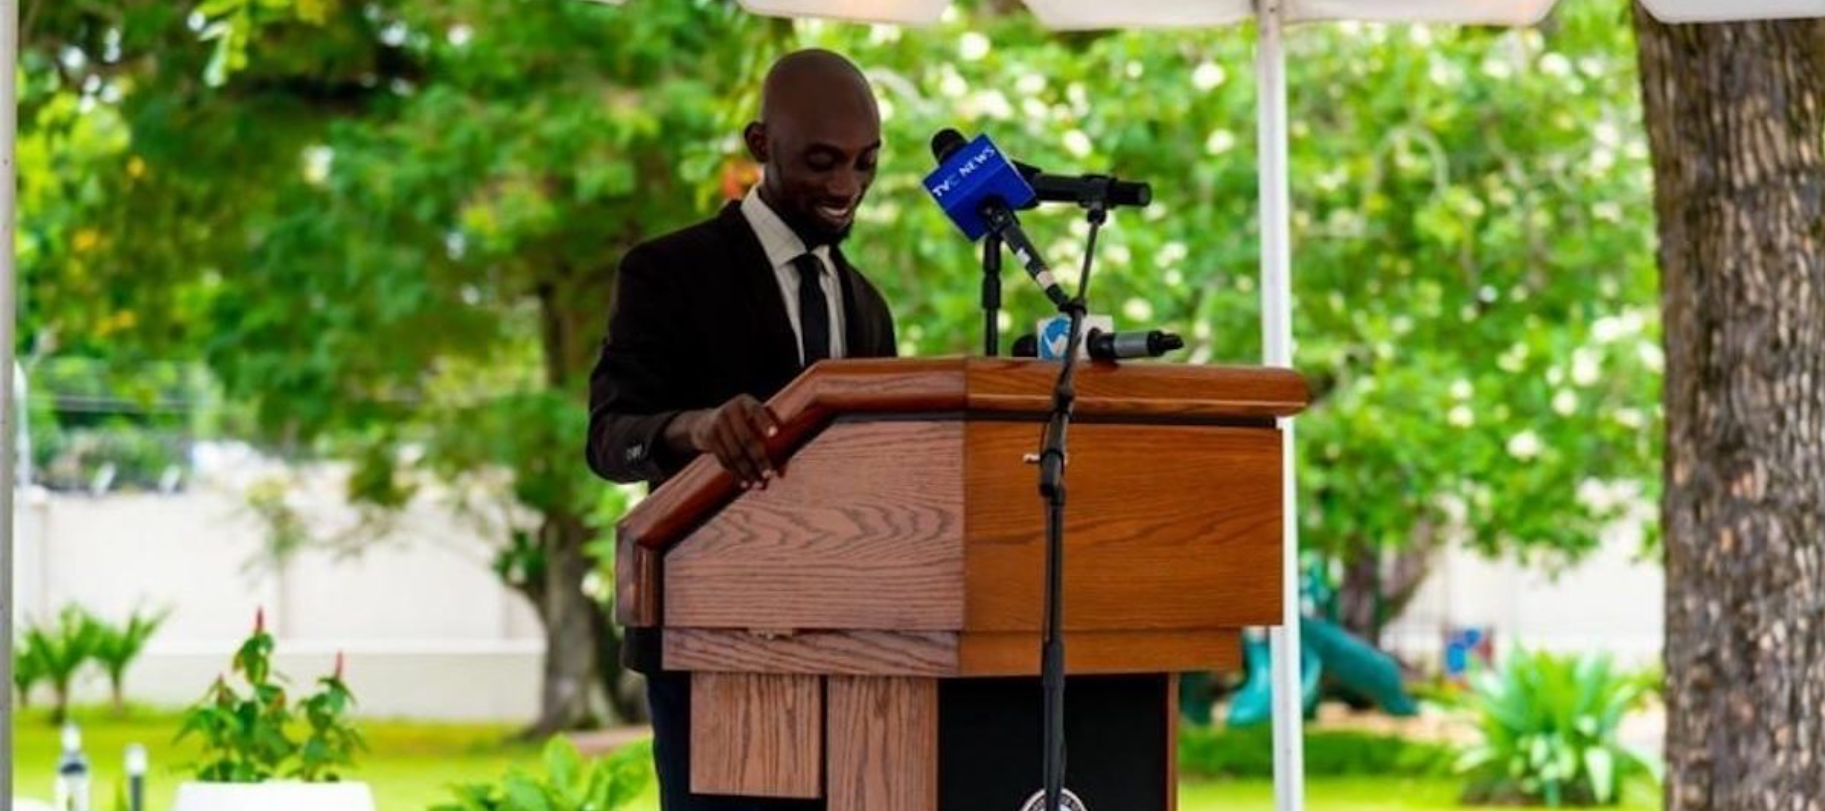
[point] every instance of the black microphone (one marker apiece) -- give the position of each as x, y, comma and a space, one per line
1084, 190
1026, 346
1125, 345
946, 142
1001, 220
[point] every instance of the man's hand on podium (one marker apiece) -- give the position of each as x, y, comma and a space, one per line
735, 432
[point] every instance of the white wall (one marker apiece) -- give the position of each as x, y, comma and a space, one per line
427, 629
1611, 601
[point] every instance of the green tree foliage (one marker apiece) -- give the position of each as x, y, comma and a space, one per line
403, 251
468, 235
390, 230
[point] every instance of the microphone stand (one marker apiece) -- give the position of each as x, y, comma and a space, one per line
991, 295
1052, 489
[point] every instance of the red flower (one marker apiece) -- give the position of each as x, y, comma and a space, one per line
338, 665
259, 620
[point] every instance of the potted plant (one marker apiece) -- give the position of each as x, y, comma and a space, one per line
263, 753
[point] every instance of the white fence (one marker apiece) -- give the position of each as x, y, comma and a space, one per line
427, 629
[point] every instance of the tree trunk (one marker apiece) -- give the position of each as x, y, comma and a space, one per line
622, 694
1378, 585
1359, 593
570, 628
577, 642
1734, 116
60, 703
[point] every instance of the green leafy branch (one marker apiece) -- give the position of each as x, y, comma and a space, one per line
251, 736
569, 783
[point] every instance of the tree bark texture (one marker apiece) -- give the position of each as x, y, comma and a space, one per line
1736, 121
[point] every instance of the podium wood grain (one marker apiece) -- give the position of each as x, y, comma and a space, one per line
1166, 527
637, 583
943, 654
883, 743
914, 526
986, 385
1151, 390
881, 653
756, 734
863, 529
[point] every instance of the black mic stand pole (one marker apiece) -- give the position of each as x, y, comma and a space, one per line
1052, 489
991, 295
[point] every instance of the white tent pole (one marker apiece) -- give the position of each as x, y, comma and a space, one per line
9, 408
1277, 350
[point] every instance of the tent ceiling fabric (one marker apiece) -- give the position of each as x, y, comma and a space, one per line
1104, 14
907, 12
1091, 15
1710, 11
1472, 12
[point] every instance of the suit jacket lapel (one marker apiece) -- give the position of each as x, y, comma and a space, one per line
757, 283
858, 333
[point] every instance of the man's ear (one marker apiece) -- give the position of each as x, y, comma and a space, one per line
756, 137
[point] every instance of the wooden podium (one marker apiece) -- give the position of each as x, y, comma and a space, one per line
866, 628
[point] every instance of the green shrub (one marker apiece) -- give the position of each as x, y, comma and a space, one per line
56, 653
254, 737
28, 669
1549, 727
1248, 752
568, 784
118, 646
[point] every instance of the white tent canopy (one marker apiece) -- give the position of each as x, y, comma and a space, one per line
1103, 14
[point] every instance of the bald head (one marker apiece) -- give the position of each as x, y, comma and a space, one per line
815, 81
817, 138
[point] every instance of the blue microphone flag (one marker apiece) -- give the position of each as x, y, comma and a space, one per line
973, 175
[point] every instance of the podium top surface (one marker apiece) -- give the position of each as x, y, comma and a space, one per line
987, 387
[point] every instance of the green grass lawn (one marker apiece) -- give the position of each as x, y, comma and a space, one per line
412, 763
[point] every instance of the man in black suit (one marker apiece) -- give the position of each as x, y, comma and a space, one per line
712, 320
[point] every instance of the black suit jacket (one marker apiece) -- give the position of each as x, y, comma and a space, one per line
698, 319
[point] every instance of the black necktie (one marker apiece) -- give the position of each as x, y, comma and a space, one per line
813, 309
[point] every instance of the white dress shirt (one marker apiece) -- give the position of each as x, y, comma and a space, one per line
782, 246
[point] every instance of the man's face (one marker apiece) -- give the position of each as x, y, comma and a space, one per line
820, 159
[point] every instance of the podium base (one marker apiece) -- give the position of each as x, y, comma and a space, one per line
1118, 731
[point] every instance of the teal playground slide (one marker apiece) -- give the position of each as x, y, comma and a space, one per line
1325, 648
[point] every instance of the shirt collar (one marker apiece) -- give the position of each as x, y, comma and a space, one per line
777, 238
